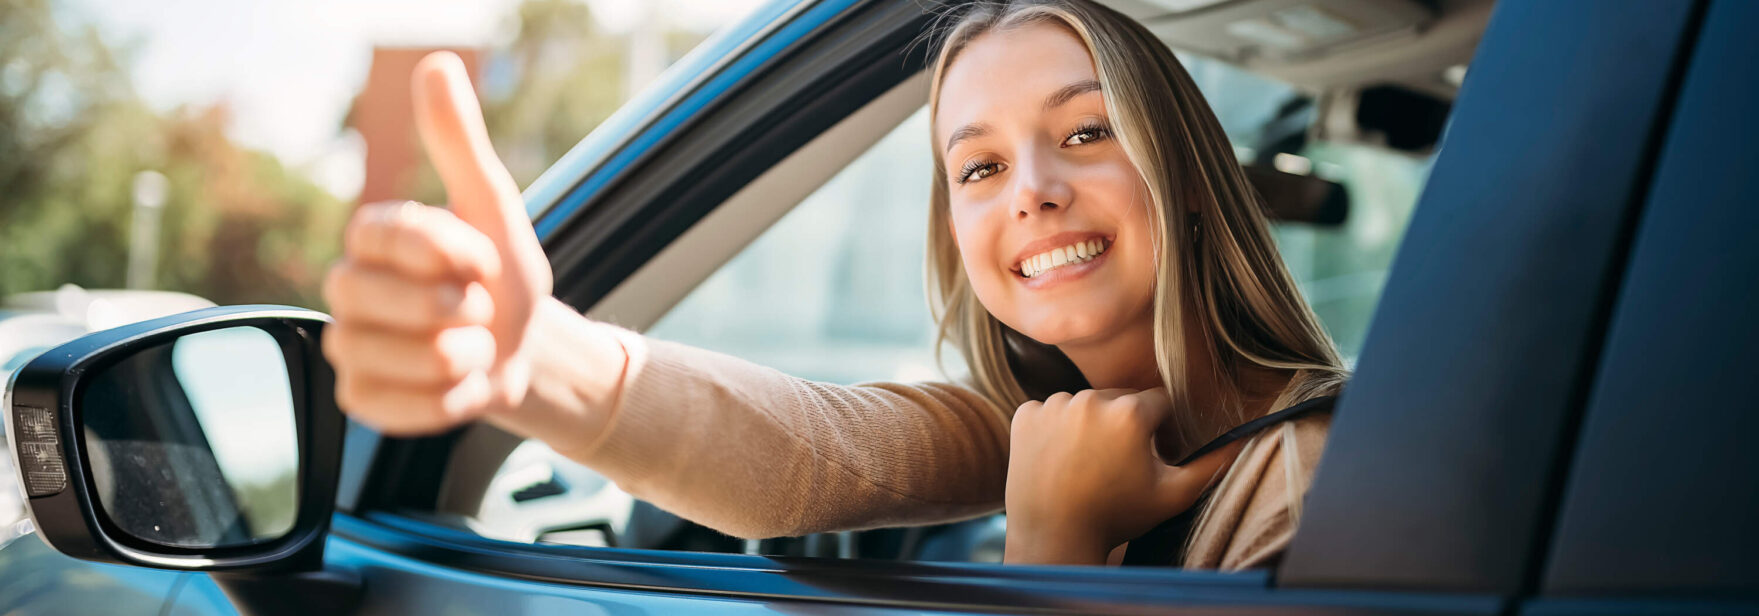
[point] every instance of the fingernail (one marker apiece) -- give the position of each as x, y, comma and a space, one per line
450, 296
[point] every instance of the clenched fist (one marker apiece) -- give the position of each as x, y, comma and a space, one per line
1084, 475
434, 308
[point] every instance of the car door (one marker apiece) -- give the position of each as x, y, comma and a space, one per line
1451, 450
1667, 419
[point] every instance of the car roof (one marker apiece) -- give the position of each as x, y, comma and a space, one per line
1421, 45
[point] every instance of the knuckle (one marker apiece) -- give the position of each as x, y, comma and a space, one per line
1134, 413
1126, 403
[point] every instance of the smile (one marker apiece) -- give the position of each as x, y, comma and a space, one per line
1073, 254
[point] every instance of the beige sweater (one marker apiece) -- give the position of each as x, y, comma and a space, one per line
752, 452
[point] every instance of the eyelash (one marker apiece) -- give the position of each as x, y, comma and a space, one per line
1098, 131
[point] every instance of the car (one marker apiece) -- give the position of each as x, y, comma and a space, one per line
31, 323
1548, 337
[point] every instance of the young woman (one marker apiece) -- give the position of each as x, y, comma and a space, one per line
1095, 254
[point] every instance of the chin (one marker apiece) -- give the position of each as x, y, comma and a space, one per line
1060, 331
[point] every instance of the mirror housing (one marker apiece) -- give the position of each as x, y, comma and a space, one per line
49, 436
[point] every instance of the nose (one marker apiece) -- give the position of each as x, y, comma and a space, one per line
1039, 186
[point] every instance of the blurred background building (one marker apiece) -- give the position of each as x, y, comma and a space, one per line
381, 114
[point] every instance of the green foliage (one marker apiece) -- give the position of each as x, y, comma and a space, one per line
237, 227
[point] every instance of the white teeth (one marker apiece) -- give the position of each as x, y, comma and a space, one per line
1080, 252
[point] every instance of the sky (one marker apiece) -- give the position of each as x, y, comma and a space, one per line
289, 68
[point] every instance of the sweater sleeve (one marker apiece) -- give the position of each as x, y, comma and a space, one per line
752, 452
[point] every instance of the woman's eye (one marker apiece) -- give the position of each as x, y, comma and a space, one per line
1086, 134
977, 171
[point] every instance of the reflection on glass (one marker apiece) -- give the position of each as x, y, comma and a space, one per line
192, 443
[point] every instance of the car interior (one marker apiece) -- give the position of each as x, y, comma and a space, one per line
1319, 87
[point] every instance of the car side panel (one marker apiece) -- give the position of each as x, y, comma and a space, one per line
1663, 495
36, 579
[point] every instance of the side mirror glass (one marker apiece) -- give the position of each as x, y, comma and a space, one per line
191, 443
207, 440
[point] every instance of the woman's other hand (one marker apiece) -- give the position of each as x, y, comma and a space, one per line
434, 308
1084, 476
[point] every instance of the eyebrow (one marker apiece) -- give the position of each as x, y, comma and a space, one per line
1069, 92
1056, 99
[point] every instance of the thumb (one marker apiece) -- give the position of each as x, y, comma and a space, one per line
1181, 486
481, 191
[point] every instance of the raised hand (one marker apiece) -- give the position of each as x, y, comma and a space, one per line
434, 308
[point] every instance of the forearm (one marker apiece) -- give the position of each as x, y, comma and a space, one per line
754, 452
576, 370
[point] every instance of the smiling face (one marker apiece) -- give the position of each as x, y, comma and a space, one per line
1049, 214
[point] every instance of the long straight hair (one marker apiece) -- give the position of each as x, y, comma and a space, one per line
1212, 243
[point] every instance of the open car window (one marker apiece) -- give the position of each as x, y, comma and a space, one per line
833, 291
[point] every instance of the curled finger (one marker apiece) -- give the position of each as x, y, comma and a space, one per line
434, 359
374, 295
421, 241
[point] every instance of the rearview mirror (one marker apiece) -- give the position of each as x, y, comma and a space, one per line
207, 440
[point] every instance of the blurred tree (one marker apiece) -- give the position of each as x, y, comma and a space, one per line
238, 227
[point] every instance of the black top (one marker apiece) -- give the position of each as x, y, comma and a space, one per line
1164, 545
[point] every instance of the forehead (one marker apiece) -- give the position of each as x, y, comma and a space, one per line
1010, 71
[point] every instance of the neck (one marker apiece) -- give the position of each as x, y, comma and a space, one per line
1126, 360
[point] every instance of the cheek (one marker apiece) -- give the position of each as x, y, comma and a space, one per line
978, 254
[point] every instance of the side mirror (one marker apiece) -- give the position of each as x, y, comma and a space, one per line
204, 441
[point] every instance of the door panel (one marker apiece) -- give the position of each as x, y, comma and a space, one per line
1441, 461
1662, 497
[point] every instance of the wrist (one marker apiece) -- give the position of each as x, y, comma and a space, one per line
1054, 544
576, 368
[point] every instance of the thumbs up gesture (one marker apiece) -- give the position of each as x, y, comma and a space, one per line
434, 308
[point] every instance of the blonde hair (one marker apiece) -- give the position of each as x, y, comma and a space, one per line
1248, 310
